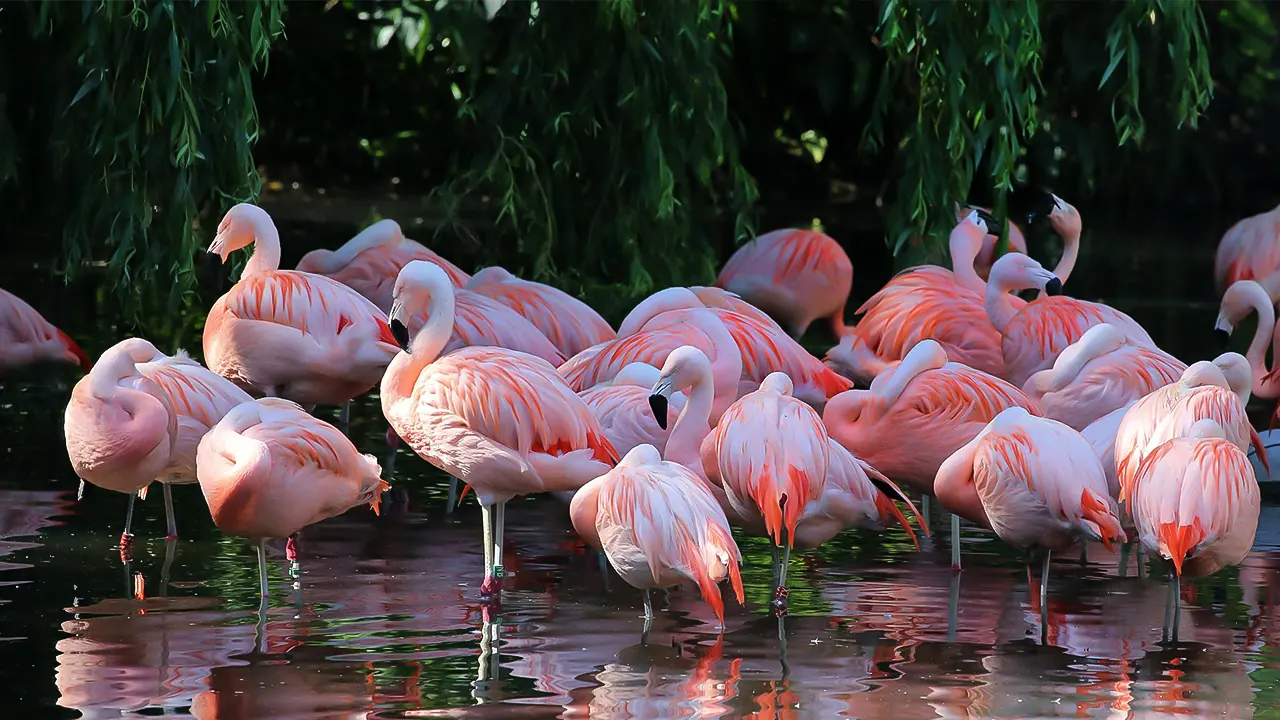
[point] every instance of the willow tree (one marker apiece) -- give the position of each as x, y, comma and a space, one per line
122, 121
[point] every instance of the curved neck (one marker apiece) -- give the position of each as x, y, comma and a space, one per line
425, 346
1070, 253
266, 247
676, 298
684, 446
999, 303
962, 257
1257, 352
888, 386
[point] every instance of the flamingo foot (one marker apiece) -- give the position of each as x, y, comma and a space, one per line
291, 548
491, 589
779, 603
126, 546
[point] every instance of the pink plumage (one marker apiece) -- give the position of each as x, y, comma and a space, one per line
570, 324
26, 338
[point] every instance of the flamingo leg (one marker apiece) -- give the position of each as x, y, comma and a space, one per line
1124, 560
127, 536
782, 593
500, 524
170, 547
924, 506
953, 608
393, 442
648, 606
262, 568
453, 495
486, 522
344, 418
1044, 599
80, 492
1141, 561
1084, 551
168, 512
775, 564
955, 542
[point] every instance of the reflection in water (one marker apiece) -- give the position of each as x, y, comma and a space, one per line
387, 628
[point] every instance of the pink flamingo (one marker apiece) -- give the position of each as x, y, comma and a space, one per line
715, 297
1098, 373
570, 324
697, 327
1250, 250
368, 263
796, 276
1196, 504
658, 526
1036, 481
499, 420
622, 407
772, 456
1101, 435
291, 334
764, 347
1017, 241
138, 417
26, 338
1034, 334
930, 406
269, 469
854, 495
1242, 299
1217, 390
479, 320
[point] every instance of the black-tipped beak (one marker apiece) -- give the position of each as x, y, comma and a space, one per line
400, 333
658, 403
1053, 287
993, 225
1224, 338
1044, 206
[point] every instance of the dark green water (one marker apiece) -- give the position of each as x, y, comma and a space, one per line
383, 621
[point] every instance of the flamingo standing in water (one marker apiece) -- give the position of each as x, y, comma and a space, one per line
499, 420
1196, 504
772, 458
570, 324
764, 347
622, 407
1036, 481
139, 416
797, 276
854, 495
1250, 250
1243, 298
1033, 335
369, 262
658, 526
26, 338
291, 334
269, 469
1099, 373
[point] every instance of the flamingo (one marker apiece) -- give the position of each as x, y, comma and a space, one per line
772, 457
138, 416
621, 406
368, 263
1196, 504
287, 333
1101, 436
1098, 373
796, 276
854, 495
1243, 298
26, 338
717, 297
1250, 250
479, 320
1217, 390
1017, 241
697, 327
570, 324
1032, 336
1036, 481
658, 526
269, 469
764, 347
501, 421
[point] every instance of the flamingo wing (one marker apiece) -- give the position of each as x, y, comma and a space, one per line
311, 304
570, 324
626, 418
649, 346
482, 321
1039, 333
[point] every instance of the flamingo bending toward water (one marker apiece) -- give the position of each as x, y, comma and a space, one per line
570, 324
269, 469
796, 276
1250, 250
287, 333
499, 420
26, 338
1033, 335
772, 457
658, 526
1099, 373
1196, 503
854, 495
1036, 481
139, 416
1243, 298
369, 262
622, 407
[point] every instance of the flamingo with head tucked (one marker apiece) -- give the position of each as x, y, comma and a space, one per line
570, 324
26, 338
1100, 372
623, 409
1250, 250
796, 276
287, 333
369, 262
502, 421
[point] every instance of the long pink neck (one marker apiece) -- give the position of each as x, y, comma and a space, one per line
999, 303
1257, 353
676, 298
962, 257
684, 446
266, 247
1070, 253
402, 374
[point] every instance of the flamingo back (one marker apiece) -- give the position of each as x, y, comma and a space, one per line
26, 337
1039, 332
766, 349
312, 304
773, 457
370, 262
796, 275
1197, 496
483, 321
570, 324
1104, 384
625, 416
717, 297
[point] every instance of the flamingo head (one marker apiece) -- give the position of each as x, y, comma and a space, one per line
420, 284
841, 416
1237, 372
1064, 218
237, 230
1241, 299
683, 367
1016, 271
778, 382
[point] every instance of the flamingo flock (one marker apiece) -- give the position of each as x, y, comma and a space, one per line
1050, 423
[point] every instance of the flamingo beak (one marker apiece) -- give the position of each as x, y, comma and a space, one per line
658, 403
400, 332
1222, 330
1053, 287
